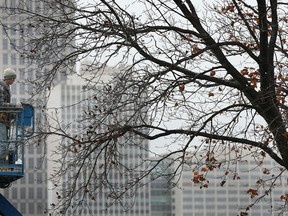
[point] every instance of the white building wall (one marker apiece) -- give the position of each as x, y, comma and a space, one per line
64, 101
231, 197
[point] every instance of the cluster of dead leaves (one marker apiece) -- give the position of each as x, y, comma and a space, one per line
284, 197
252, 192
253, 74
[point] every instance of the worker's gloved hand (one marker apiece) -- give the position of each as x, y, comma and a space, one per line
19, 105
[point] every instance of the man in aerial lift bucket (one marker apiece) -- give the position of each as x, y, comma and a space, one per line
9, 77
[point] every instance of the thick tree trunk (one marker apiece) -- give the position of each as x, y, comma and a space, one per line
277, 126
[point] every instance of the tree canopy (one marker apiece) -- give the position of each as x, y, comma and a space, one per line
207, 75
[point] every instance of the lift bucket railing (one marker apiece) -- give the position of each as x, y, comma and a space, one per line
22, 125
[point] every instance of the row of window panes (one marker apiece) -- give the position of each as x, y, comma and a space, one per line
33, 208
12, 59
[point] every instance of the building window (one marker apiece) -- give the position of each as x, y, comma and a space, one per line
40, 210
23, 208
39, 193
30, 149
5, 44
21, 74
30, 178
31, 163
22, 194
39, 177
31, 208
31, 193
14, 193
22, 89
5, 58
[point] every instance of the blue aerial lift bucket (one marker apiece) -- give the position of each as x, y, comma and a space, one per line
23, 126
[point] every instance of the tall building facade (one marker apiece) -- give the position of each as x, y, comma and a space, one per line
29, 194
68, 100
224, 192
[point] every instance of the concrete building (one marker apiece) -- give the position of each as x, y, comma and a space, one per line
29, 194
225, 191
69, 98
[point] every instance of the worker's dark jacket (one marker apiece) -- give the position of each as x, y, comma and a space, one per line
5, 99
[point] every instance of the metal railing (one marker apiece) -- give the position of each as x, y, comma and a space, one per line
19, 124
